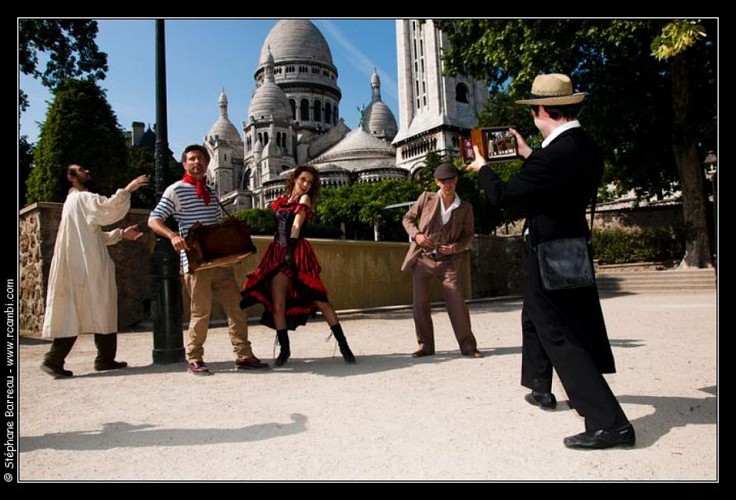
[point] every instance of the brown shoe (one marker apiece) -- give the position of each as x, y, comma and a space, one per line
199, 368
475, 353
421, 353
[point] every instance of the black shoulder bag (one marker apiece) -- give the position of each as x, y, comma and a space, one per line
565, 263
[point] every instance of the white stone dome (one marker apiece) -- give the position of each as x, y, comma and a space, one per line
378, 120
223, 127
296, 40
268, 99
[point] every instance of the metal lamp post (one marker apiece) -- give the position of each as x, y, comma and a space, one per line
166, 306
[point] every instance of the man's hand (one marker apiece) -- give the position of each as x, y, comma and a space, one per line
139, 181
423, 241
131, 233
521, 145
477, 162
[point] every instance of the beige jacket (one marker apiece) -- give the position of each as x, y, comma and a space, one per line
418, 219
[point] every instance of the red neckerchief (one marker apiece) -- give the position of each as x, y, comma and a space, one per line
202, 190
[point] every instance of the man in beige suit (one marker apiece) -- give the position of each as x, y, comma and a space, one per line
440, 226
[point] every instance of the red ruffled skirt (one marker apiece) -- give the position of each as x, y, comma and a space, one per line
306, 286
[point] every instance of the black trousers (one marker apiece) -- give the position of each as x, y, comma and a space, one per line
550, 340
107, 346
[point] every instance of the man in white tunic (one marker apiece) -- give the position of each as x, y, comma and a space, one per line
82, 294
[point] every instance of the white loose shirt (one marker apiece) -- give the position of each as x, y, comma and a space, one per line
82, 294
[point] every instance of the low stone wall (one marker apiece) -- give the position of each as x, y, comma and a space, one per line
496, 263
39, 224
358, 274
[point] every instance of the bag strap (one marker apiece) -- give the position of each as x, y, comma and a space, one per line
227, 215
593, 201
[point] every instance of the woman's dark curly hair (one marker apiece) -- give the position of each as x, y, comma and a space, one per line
313, 191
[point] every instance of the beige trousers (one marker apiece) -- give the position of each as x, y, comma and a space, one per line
202, 286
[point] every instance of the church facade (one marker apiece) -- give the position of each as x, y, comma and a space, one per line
294, 117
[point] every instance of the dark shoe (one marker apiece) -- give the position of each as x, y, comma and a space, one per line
475, 353
112, 365
251, 363
342, 342
282, 358
199, 368
55, 371
421, 353
545, 400
603, 438
282, 337
347, 354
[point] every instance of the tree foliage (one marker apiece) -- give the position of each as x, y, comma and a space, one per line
80, 128
634, 104
142, 160
676, 37
365, 204
629, 105
70, 46
25, 162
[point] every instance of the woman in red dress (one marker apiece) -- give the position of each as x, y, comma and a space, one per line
287, 280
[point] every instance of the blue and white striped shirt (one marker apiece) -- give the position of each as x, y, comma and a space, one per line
180, 200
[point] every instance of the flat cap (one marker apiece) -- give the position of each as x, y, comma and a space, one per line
445, 171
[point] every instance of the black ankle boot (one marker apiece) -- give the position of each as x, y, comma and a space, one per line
285, 352
107, 348
342, 342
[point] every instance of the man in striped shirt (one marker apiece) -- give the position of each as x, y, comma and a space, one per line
188, 201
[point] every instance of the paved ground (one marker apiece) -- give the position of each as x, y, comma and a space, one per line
389, 417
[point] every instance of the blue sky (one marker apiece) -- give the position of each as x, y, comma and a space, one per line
203, 56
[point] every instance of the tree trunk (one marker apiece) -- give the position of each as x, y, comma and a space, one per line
689, 167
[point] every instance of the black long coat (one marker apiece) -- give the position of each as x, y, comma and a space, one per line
553, 188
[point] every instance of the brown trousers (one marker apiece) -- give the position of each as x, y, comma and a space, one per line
425, 271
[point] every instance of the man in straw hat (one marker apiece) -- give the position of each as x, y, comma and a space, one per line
561, 329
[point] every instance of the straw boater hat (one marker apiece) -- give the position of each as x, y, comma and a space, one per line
553, 90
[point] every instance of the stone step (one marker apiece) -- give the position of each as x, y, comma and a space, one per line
697, 280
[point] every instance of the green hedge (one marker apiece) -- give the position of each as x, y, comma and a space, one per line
626, 245
262, 222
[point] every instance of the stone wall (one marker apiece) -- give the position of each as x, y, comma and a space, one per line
650, 217
358, 274
38, 226
496, 263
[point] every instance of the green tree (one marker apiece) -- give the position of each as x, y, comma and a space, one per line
71, 51
630, 109
142, 160
425, 176
25, 163
80, 128
676, 44
70, 46
361, 207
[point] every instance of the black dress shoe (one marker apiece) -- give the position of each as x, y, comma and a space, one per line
603, 438
545, 400
421, 353
55, 371
110, 365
